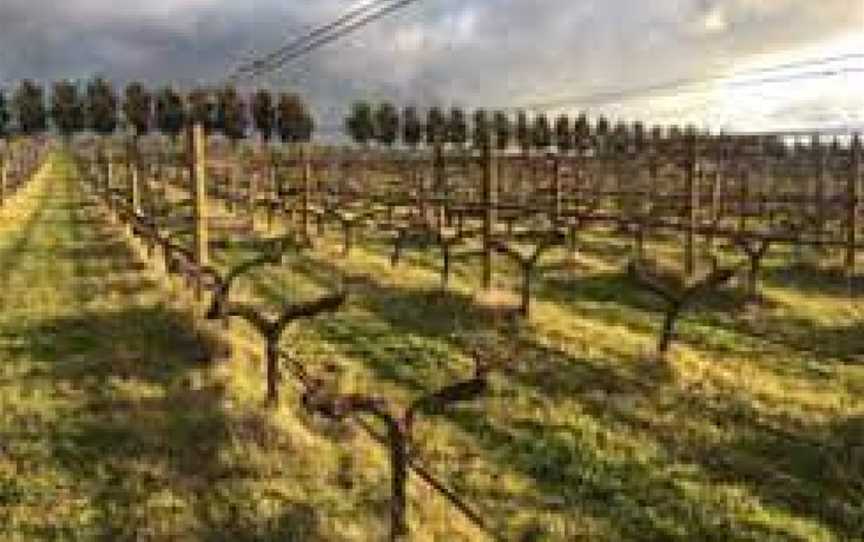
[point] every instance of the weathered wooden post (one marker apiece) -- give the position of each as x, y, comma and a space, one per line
692, 204
233, 177
109, 170
134, 178
439, 182
252, 194
198, 175
853, 186
556, 190
4, 175
306, 161
819, 158
743, 192
490, 209
719, 155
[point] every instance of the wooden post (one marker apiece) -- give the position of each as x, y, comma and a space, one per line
692, 203
852, 195
198, 174
715, 209
136, 190
109, 173
743, 194
306, 160
252, 195
556, 190
134, 177
439, 182
819, 156
233, 177
490, 207
4, 174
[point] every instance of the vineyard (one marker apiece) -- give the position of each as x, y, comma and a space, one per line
524, 330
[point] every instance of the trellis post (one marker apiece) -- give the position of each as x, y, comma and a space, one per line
852, 195
819, 156
490, 208
4, 174
198, 174
556, 190
692, 203
134, 179
306, 179
439, 183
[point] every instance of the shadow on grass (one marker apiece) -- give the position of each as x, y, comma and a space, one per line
406, 335
581, 476
141, 439
810, 277
711, 323
146, 444
813, 471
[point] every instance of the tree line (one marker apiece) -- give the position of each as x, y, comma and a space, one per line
97, 107
386, 126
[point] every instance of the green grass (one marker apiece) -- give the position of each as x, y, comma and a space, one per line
114, 424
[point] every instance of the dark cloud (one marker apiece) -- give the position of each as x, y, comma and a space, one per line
471, 52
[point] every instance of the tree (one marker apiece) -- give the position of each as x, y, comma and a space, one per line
541, 134
201, 108
691, 132
412, 127
230, 113
359, 124
523, 131
621, 137
503, 130
436, 126
101, 107
563, 133
601, 133
482, 129
170, 113
582, 131
306, 127
263, 113
138, 108
457, 127
386, 124
67, 111
294, 122
639, 135
29, 107
4, 116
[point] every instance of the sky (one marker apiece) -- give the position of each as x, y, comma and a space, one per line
598, 56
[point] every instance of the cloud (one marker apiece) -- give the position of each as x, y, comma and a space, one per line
469, 52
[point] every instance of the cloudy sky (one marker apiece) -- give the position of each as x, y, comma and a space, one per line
595, 55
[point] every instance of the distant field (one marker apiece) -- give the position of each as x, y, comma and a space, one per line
117, 423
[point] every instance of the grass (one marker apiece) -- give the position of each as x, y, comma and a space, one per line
117, 422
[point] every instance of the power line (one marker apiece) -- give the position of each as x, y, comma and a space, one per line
605, 97
343, 31
252, 65
322, 36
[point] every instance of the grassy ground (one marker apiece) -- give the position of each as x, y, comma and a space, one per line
113, 423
